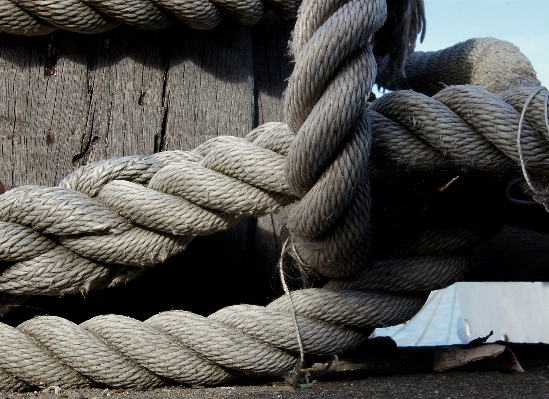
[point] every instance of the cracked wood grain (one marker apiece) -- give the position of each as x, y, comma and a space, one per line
68, 99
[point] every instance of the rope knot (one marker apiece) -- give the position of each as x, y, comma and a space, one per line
325, 107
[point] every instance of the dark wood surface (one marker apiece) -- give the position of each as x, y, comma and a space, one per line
68, 99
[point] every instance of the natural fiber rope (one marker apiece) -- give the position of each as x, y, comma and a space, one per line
31, 17
327, 162
180, 346
228, 178
419, 273
119, 223
494, 64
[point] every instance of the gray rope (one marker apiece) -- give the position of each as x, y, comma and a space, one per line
58, 271
28, 17
325, 103
429, 117
494, 64
408, 274
187, 348
468, 124
10, 383
19, 243
32, 364
90, 240
58, 211
90, 178
239, 338
325, 109
495, 124
191, 349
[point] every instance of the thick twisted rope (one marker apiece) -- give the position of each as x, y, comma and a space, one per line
325, 109
494, 64
108, 236
215, 189
31, 17
187, 348
398, 284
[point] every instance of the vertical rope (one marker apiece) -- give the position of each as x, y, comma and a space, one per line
327, 162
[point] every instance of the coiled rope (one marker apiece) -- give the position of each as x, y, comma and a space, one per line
494, 64
227, 178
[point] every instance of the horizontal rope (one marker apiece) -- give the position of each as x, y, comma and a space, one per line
494, 64
29, 17
387, 291
187, 348
202, 192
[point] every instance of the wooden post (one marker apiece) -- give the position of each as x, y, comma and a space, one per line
68, 99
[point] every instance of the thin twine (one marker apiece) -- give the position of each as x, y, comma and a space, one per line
454, 299
301, 362
519, 137
431, 318
301, 265
404, 325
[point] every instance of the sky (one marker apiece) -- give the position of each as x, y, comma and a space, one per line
521, 22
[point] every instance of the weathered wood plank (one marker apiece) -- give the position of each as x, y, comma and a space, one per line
88, 110
44, 116
119, 93
125, 85
272, 66
210, 85
131, 92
